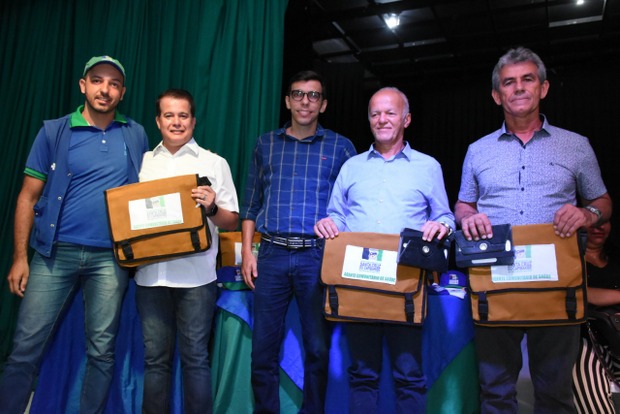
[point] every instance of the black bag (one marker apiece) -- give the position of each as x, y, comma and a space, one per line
498, 250
415, 252
604, 322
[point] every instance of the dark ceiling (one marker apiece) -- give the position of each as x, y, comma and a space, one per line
457, 39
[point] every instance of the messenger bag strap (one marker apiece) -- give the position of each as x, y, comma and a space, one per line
195, 239
409, 307
571, 303
333, 299
483, 306
127, 250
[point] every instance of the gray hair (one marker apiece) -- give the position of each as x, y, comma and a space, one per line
514, 56
398, 91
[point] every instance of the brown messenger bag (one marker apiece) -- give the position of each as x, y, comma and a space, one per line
362, 297
230, 248
539, 302
229, 259
156, 220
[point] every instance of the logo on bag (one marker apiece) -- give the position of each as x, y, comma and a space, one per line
157, 211
371, 260
369, 264
533, 263
372, 254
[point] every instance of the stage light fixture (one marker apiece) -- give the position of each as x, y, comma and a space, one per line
391, 20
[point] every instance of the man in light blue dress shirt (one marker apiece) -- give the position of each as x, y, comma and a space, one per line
383, 190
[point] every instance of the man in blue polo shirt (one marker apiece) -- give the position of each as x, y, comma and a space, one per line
61, 211
291, 176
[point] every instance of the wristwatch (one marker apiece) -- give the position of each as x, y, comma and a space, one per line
213, 211
596, 211
446, 225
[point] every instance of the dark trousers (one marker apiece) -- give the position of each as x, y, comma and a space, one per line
552, 352
283, 273
366, 350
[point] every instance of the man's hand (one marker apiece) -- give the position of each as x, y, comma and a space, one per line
204, 195
248, 268
18, 277
476, 226
431, 229
30, 193
326, 228
569, 218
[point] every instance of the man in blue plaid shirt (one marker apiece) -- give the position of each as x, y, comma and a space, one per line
291, 176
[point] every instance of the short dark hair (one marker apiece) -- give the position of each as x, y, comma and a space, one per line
304, 76
176, 94
518, 55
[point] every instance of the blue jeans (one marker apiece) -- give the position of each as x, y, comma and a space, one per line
283, 273
166, 312
366, 350
552, 352
51, 287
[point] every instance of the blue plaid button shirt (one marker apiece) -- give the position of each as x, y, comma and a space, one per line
290, 180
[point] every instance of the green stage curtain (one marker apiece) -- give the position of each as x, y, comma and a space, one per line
227, 53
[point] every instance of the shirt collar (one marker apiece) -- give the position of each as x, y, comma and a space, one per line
77, 119
191, 147
406, 152
320, 132
544, 129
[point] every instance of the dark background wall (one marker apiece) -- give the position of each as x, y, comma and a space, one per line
450, 113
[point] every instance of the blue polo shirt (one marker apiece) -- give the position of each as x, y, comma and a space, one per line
85, 161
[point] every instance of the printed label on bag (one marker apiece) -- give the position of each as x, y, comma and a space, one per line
159, 211
372, 265
533, 263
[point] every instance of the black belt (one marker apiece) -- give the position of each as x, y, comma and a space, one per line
291, 242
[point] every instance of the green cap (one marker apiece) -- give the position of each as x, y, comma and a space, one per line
96, 60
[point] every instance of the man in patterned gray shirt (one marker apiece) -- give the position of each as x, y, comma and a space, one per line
528, 172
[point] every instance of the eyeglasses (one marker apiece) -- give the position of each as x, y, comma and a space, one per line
298, 95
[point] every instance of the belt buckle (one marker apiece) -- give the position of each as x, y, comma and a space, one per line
294, 243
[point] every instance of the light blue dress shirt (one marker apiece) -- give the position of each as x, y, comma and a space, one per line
378, 195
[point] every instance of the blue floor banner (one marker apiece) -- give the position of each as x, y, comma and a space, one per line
448, 356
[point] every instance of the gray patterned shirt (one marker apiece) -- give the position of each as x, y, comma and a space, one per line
526, 184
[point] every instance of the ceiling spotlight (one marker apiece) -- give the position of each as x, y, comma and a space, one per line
392, 20
580, 2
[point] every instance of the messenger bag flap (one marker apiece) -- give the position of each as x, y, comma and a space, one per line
532, 299
156, 220
364, 282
